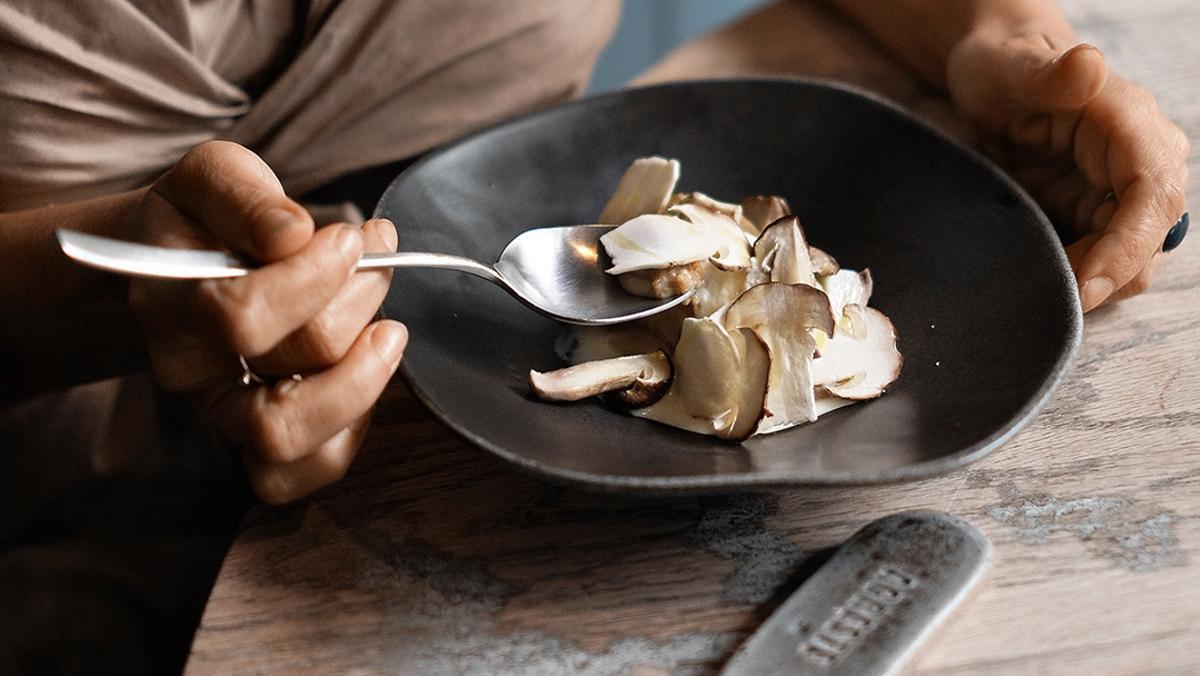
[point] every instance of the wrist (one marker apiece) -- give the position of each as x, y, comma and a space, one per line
62, 323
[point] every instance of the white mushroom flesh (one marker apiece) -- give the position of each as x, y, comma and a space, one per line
656, 241
847, 287
859, 368
853, 322
707, 369
720, 288
645, 188
732, 250
644, 371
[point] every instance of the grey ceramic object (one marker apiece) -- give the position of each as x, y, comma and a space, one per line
966, 265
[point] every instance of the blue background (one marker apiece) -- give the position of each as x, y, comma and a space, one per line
651, 28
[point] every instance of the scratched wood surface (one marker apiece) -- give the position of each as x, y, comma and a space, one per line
432, 558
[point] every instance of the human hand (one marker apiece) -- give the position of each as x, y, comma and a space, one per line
305, 311
1093, 148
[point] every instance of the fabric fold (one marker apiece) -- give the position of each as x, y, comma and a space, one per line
105, 95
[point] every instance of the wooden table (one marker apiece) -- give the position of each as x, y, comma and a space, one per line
432, 558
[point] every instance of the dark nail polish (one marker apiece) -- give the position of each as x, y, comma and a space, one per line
1176, 234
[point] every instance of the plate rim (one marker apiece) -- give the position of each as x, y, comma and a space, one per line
768, 479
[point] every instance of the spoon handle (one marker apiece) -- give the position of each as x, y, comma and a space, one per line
414, 259
144, 260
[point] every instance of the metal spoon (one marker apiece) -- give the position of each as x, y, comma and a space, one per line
555, 271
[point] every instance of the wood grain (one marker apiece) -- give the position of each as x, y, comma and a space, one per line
432, 558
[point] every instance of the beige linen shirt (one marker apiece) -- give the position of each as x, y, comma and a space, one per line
101, 96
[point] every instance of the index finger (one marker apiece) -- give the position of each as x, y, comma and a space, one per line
1147, 209
232, 193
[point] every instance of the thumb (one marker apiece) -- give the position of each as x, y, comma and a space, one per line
1028, 70
233, 195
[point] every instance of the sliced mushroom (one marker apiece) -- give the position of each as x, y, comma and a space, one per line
655, 241
859, 368
827, 403
636, 380
656, 332
847, 287
762, 210
733, 252
720, 288
665, 283
823, 264
645, 188
853, 322
705, 202
752, 394
707, 371
784, 317
775, 334
782, 251
654, 383
720, 382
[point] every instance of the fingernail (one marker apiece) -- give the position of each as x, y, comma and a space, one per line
387, 231
349, 241
1074, 49
1094, 292
389, 340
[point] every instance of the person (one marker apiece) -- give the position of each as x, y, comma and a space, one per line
204, 125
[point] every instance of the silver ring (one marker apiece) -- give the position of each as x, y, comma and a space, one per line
250, 378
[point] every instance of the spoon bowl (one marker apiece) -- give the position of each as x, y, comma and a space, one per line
557, 271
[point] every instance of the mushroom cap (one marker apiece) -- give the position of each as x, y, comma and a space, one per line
703, 201
762, 210
644, 188
782, 251
653, 383
823, 264
859, 368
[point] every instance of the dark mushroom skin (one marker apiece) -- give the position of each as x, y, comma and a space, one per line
763, 210
645, 391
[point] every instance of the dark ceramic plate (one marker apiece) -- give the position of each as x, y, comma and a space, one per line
967, 267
